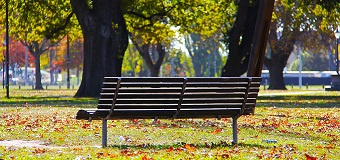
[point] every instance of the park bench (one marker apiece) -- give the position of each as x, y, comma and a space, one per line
174, 98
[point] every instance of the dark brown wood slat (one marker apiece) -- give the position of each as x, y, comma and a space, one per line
213, 95
180, 79
140, 96
217, 100
139, 106
145, 79
136, 113
159, 113
211, 105
142, 90
175, 101
162, 96
139, 101
217, 90
173, 106
221, 79
216, 85
148, 95
169, 85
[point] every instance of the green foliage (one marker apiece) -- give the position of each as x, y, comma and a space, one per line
155, 21
133, 63
38, 20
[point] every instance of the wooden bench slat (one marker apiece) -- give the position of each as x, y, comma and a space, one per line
174, 106
144, 79
175, 101
140, 96
180, 79
162, 114
142, 90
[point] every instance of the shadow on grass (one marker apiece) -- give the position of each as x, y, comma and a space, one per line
49, 100
299, 97
299, 101
182, 145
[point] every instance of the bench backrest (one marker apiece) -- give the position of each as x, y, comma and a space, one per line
179, 93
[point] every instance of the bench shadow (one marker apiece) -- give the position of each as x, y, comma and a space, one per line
181, 146
298, 97
50, 100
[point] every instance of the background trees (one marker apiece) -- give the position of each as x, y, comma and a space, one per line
39, 25
296, 23
154, 25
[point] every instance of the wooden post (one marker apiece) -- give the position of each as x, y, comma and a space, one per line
258, 48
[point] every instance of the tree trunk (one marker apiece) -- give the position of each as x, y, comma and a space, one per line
239, 48
276, 80
38, 84
105, 41
153, 62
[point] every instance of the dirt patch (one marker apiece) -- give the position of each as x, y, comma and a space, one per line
26, 144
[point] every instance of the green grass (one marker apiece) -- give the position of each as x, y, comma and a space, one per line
302, 122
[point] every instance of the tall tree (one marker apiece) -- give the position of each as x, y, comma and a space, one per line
39, 25
240, 37
295, 21
153, 25
105, 41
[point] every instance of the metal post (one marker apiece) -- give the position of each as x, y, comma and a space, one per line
337, 56
234, 130
300, 66
7, 52
68, 62
26, 66
104, 133
3, 74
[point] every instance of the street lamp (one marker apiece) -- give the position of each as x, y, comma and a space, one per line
337, 36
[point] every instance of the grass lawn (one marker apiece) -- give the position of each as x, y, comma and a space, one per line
296, 124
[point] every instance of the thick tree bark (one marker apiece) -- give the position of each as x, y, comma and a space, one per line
240, 39
105, 41
275, 66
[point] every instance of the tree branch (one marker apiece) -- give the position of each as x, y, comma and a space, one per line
60, 28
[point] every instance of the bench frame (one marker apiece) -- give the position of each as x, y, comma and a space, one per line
246, 81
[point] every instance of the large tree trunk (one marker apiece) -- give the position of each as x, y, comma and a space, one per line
105, 41
239, 48
276, 66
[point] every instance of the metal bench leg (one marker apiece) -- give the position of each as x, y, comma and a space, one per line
234, 130
104, 133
